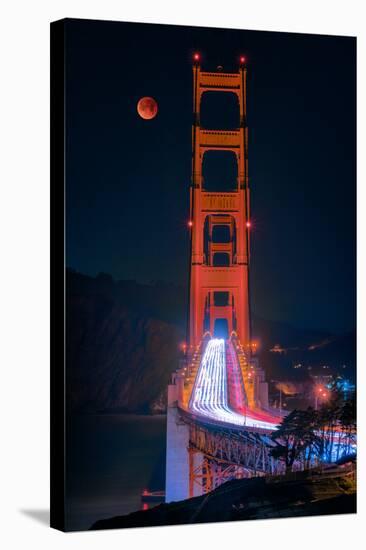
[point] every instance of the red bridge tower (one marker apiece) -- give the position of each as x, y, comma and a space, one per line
219, 292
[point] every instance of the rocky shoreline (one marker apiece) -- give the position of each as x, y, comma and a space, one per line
296, 495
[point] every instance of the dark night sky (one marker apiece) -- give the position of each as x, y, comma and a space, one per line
128, 179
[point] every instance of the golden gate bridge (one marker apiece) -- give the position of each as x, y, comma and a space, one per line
218, 420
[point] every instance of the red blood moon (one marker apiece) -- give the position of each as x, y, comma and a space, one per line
147, 108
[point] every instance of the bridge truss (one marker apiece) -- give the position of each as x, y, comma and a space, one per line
219, 455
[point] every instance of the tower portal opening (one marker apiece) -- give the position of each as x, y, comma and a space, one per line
221, 259
221, 329
220, 171
220, 111
221, 298
221, 234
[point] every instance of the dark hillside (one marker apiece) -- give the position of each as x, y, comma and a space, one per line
123, 343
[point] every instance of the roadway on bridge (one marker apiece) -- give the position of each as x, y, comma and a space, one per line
210, 395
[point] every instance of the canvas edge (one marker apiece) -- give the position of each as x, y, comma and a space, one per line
57, 298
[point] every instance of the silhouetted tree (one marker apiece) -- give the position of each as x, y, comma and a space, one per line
327, 434
348, 425
295, 438
336, 426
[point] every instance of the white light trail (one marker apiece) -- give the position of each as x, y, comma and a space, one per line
210, 392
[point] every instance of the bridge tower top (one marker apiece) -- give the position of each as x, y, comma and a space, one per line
219, 270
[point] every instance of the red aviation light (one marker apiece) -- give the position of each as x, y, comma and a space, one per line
196, 56
190, 223
248, 224
242, 59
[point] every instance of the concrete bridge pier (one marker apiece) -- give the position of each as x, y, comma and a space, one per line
177, 459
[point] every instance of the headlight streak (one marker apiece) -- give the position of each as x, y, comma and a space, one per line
210, 392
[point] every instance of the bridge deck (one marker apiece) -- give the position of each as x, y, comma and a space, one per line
218, 395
